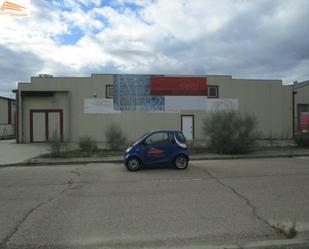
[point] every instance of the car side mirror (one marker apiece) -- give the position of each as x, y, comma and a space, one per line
173, 141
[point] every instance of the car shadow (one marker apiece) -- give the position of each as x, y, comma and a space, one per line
158, 167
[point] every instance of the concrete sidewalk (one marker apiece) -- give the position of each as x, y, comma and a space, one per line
13, 153
262, 153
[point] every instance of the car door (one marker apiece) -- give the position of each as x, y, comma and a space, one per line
156, 148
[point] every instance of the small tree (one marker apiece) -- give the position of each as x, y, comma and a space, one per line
87, 144
230, 132
56, 146
114, 137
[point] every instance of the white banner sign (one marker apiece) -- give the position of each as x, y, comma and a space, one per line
95, 105
178, 103
199, 103
222, 104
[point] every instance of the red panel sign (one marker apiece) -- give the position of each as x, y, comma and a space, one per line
304, 121
155, 151
178, 86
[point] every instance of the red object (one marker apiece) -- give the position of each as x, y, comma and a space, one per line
304, 121
155, 151
178, 86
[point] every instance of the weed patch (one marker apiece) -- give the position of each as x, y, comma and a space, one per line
230, 132
289, 231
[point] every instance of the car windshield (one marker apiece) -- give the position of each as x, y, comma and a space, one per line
141, 138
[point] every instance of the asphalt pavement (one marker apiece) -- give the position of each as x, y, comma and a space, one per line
212, 204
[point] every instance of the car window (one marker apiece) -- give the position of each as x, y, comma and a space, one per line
180, 137
171, 137
157, 138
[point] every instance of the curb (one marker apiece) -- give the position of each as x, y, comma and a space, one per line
194, 158
50, 163
268, 244
278, 244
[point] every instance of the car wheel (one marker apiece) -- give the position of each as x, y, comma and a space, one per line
133, 164
181, 162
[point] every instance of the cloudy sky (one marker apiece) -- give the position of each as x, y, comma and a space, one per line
243, 38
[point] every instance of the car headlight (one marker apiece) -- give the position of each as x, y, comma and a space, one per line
128, 149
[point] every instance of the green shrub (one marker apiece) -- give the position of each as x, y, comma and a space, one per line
56, 146
114, 137
230, 132
302, 139
87, 144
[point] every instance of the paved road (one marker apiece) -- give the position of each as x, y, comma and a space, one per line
105, 206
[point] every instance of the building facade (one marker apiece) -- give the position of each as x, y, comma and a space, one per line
74, 107
7, 117
301, 101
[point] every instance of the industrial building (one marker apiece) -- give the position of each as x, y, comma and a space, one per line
7, 117
301, 101
73, 107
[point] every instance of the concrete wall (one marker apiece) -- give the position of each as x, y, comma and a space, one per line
268, 100
3, 111
60, 100
7, 127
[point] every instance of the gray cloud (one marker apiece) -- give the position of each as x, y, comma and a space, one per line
255, 43
16, 67
264, 39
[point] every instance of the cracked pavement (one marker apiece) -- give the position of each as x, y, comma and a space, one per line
104, 206
247, 201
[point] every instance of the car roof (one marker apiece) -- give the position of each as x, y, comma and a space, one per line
163, 131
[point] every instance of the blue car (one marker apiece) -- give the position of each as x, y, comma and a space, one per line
158, 148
